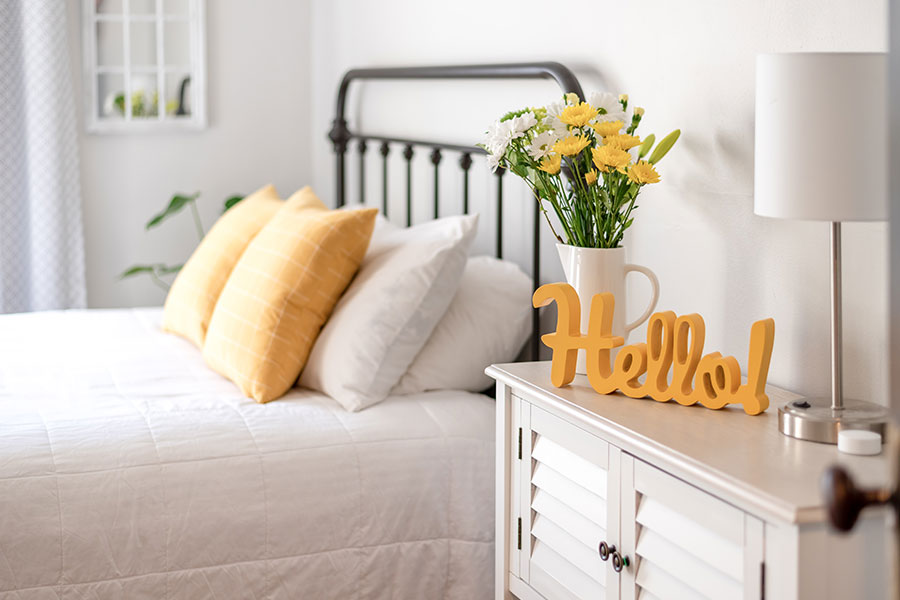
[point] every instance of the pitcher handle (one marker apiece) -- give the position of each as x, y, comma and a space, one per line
654, 283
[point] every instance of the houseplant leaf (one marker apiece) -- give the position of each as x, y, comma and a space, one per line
137, 270
229, 202
178, 202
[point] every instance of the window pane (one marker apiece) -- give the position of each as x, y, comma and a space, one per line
108, 7
111, 96
176, 7
110, 44
142, 7
177, 43
144, 97
143, 44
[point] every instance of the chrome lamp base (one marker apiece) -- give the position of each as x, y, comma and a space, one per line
814, 419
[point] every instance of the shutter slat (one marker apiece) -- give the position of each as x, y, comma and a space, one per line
645, 595
656, 583
570, 465
698, 506
695, 574
704, 544
575, 440
587, 560
574, 496
574, 523
560, 573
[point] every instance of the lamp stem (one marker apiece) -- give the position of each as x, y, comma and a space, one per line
837, 388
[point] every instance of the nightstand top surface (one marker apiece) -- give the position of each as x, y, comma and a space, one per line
740, 458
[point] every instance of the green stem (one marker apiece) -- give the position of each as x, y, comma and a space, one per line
197, 223
154, 277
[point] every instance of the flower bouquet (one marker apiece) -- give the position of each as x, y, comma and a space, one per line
583, 159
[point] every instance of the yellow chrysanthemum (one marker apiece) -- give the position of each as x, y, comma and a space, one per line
608, 128
607, 157
591, 177
571, 145
578, 115
643, 172
622, 141
551, 164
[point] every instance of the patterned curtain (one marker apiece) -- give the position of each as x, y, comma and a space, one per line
41, 237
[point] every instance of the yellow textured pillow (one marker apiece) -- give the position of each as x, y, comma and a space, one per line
194, 293
281, 293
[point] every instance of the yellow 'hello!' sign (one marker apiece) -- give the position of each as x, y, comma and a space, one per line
674, 344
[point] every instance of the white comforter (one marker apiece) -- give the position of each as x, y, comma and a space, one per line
130, 470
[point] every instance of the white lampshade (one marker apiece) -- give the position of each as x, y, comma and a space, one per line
821, 136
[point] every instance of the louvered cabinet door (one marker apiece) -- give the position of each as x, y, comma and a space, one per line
684, 543
569, 501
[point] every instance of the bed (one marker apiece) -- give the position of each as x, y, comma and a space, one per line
128, 469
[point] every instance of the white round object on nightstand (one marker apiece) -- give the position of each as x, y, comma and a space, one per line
859, 441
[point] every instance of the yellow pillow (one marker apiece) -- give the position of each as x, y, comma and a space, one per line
281, 293
194, 293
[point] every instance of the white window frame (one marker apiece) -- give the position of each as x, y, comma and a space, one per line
95, 122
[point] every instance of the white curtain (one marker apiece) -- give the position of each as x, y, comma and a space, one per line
41, 237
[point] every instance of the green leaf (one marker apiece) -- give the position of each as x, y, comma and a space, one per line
137, 270
646, 145
167, 269
664, 146
229, 202
119, 102
178, 202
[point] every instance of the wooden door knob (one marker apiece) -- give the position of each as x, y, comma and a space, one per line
845, 501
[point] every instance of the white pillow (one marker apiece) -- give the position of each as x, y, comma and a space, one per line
489, 320
402, 289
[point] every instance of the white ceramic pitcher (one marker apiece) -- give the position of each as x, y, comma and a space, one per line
594, 270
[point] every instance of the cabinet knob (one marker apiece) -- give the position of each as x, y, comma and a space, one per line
605, 551
619, 562
845, 500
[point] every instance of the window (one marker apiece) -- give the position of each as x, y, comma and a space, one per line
144, 63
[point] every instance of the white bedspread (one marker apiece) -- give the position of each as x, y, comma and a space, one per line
130, 470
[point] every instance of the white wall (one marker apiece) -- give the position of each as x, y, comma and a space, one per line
259, 130
691, 64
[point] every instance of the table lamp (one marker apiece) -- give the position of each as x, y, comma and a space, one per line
822, 155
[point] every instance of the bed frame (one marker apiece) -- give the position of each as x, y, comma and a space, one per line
341, 136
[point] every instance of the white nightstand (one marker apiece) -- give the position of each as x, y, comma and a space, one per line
685, 502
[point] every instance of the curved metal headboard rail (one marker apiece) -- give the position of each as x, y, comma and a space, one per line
341, 135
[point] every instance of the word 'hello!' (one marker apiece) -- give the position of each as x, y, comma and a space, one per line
672, 343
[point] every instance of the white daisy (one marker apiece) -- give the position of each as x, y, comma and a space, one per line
493, 161
542, 144
519, 125
610, 104
498, 137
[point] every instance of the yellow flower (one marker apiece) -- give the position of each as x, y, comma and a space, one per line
591, 177
572, 98
643, 172
623, 97
608, 128
551, 164
639, 111
607, 157
578, 115
571, 145
622, 141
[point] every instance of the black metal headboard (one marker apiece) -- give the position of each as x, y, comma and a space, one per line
341, 137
